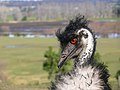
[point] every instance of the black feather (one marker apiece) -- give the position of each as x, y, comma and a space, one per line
75, 24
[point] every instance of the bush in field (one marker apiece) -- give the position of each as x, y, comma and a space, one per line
52, 57
24, 18
50, 64
97, 57
117, 74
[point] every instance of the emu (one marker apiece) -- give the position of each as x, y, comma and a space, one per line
78, 42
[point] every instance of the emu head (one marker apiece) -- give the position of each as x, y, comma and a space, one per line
73, 39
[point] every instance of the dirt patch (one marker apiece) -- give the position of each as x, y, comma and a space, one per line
4, 84
104, 27
32, 88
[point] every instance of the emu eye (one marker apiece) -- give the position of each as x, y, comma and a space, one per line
73, 41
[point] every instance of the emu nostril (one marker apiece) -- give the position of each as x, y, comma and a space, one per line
63, 56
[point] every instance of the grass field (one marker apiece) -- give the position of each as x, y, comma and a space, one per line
21, 59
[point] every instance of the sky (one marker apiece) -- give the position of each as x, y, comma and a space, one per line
21, 0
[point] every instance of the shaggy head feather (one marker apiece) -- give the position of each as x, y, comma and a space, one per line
64, 36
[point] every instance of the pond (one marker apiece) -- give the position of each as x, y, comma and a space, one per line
16, 46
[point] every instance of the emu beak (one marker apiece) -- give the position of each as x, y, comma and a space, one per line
65, 55
63, 59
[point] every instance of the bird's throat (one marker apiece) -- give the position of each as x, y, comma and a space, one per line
87, 52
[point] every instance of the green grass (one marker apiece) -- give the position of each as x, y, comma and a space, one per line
10, 18
31, 18
110, 52
118, 19
23, 66
24, 62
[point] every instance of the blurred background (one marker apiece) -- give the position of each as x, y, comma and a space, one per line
27, 33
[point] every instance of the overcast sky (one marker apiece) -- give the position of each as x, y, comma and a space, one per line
21, 0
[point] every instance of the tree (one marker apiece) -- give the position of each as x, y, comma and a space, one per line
118, 77
50, 64
24, 18
97, 57
116, 9
117, 74
17, 14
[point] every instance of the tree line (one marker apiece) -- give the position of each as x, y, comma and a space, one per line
60, 11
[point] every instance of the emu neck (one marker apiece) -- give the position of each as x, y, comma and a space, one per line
88, 51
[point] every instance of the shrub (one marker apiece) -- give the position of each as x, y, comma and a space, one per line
117, 74
50, 64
